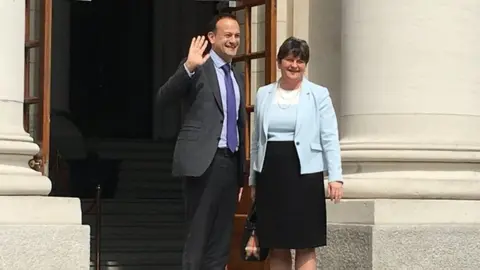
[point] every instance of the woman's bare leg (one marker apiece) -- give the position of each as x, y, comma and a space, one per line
305, 259
280, 259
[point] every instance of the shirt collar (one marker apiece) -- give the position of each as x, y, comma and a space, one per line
217, 60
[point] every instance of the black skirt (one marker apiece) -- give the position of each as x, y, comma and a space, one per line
291, 211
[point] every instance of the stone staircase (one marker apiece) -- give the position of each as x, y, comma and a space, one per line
142, 225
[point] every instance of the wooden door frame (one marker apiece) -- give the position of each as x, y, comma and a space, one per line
42, 99
269, 54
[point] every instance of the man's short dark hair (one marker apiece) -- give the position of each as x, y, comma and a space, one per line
296, 47
212, 26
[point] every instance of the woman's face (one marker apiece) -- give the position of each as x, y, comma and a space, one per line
292, 67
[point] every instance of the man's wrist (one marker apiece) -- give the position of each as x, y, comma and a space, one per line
190, 74
190, 68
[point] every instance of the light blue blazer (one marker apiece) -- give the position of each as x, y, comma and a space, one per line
316, 132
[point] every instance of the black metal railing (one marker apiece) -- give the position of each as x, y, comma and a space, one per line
61, 187
97, 205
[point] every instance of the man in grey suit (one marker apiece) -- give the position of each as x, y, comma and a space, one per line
210, 153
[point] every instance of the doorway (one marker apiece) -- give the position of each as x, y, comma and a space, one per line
114, 62
120, 52
110, 72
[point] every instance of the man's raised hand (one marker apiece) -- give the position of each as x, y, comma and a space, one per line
195, 53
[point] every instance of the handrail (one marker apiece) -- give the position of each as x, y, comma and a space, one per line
97, 202
90, 208
92, 157
98, 225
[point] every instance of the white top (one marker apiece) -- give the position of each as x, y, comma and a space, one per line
283, 115
286, 97
281, 126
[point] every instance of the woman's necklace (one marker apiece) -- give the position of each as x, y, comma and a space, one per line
286, 98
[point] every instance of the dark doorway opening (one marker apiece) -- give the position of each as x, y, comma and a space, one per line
120, 51
111, 68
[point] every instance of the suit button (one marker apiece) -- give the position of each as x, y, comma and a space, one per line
221, 121
297, 143
218, 138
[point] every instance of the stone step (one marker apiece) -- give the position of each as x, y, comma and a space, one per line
150, 179
146, 174
164, 231
159, 156
117, 201
134, 219
163, 260
137, 145
126, 207
151, 185
139, 245
148, 193
137, 267
150, 165
143, 227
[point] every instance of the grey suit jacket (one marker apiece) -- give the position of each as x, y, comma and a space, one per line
199, 135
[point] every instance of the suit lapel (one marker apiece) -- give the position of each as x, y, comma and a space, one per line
265, 107
303, 108
211, 76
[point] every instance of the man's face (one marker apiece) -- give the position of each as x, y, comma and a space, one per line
226, 39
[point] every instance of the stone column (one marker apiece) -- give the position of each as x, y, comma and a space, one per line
410, 137
319, 23
37, 232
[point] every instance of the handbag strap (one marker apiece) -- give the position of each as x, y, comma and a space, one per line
252, 215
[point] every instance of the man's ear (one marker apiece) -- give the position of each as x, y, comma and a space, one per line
211, 37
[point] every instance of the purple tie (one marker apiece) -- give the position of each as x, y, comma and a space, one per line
231, 110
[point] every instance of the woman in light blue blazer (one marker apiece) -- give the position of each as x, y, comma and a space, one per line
295, 139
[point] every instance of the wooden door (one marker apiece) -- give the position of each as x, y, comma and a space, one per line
38, 22
258, 61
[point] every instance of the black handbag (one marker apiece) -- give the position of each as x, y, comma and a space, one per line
251, 249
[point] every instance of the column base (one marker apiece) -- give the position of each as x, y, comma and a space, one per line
43, 233
402, 234
401, 247
411, 180
24, 185
16, 176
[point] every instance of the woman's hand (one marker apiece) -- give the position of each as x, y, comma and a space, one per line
335, 191
240, 193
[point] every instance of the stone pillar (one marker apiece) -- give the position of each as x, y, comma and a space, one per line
37, 232
319, 23
410, 137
